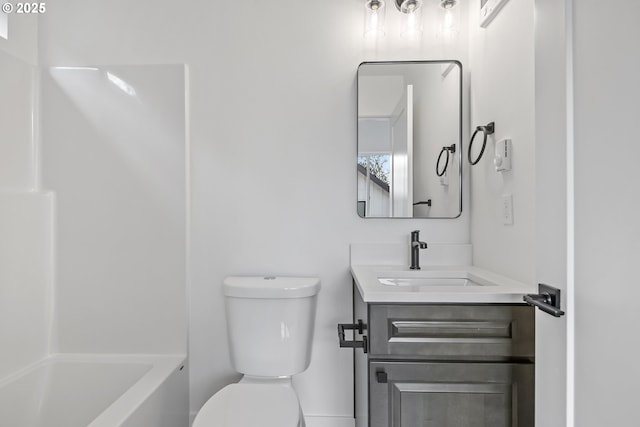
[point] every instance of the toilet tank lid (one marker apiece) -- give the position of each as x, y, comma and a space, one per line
271, 286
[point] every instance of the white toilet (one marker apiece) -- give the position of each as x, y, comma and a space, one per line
270, 325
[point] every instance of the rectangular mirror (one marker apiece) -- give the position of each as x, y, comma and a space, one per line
410, 139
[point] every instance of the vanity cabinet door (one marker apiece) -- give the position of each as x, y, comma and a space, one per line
411, 394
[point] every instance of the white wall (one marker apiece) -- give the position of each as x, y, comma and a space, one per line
502, 91
607, 231
273, 121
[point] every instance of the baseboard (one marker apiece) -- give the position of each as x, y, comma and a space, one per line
316, 421
313, 421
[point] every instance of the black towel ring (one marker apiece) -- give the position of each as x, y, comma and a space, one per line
450, 149
489, 129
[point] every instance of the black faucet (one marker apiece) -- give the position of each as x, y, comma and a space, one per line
416, 245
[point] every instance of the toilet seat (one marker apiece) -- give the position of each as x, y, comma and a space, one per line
246, 405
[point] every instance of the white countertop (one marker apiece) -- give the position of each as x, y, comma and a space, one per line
490, 287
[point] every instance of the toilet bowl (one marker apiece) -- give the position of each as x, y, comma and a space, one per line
270, 324
242, 404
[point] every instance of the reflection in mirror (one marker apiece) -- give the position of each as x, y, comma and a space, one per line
409, 139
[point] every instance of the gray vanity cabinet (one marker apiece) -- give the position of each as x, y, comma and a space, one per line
444, 365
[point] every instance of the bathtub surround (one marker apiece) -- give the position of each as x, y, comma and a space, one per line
22, 42
80, 270
113, 151
114, 154
26, 298
18, 168
25, 212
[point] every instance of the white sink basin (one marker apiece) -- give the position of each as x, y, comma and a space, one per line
427, 278
437, 284
427, 281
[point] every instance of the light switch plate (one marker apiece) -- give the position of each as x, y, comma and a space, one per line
507, 209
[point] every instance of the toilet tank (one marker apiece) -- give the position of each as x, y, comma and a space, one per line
270, 323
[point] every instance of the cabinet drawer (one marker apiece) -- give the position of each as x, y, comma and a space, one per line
457, 332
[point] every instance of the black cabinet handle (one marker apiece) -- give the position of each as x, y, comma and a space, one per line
381, 377
360, 327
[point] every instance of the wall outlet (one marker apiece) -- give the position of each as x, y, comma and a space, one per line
507, 209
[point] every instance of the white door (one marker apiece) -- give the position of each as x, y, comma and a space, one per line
402, 156
553, 212
587, 198
606, 64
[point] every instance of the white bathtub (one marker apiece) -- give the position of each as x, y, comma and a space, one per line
70, 390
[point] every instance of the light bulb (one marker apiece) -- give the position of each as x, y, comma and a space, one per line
374, 18
449, 18
412, 26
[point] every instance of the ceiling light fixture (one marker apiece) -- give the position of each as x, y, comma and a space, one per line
411, 10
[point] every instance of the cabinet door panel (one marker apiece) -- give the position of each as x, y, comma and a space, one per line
451, 394
451, 405
454, 332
